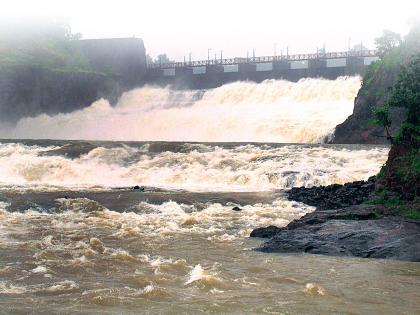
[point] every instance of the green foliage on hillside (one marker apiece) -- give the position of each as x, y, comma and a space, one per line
398, 183
406, 93
396, 54
401, 174
47, 44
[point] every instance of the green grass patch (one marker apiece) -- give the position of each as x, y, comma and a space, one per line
381, 199
410, 213
410, 165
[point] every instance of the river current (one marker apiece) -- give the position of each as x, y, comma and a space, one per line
76, 238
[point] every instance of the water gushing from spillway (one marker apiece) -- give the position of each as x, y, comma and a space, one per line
272, 111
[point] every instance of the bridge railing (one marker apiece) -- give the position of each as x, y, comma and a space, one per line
264, 59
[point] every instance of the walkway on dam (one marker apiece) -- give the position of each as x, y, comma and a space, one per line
265, 59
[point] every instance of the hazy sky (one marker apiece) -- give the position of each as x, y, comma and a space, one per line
178, 27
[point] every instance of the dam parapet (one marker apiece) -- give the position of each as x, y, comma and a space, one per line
213, 73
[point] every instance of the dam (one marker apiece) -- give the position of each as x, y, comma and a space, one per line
126, 59
211, 73
117, 65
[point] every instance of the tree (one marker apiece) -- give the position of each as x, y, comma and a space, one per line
406, 94
359, 47
41, 42
381, 117
412, 39
163, 58
387, 42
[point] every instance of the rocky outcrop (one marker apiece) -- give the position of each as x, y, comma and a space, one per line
375, 90
265, 232
401, 175
361, 230
333, 196
31, 88
349, 232
28, 91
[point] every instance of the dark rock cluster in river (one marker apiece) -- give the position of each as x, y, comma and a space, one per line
333, 196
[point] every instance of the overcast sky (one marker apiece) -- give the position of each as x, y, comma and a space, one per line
178, 27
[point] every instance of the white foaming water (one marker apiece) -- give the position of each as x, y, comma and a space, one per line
198, 274
195, 168
172, 257
271, 111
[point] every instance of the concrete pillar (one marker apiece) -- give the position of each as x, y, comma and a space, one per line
183, 77
247, 67
154, 73
354, 65
281, 65
317, 67
246, 71
184, 71
281, 69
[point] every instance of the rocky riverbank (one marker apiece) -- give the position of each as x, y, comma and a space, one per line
333, 196
343, 226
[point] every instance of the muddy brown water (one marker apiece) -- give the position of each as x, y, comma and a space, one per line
75, 240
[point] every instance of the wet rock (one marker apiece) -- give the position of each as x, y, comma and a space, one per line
318, 217
138, 188
236, 209
333, 196
383, 238
265, 232
361, 231
354, 129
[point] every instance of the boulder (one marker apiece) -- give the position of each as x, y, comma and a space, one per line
361, 231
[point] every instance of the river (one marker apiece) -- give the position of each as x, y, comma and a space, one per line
77, 238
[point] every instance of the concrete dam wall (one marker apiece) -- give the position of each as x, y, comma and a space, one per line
212, 76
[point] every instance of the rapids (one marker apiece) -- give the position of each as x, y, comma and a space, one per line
76, 238
188, 166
